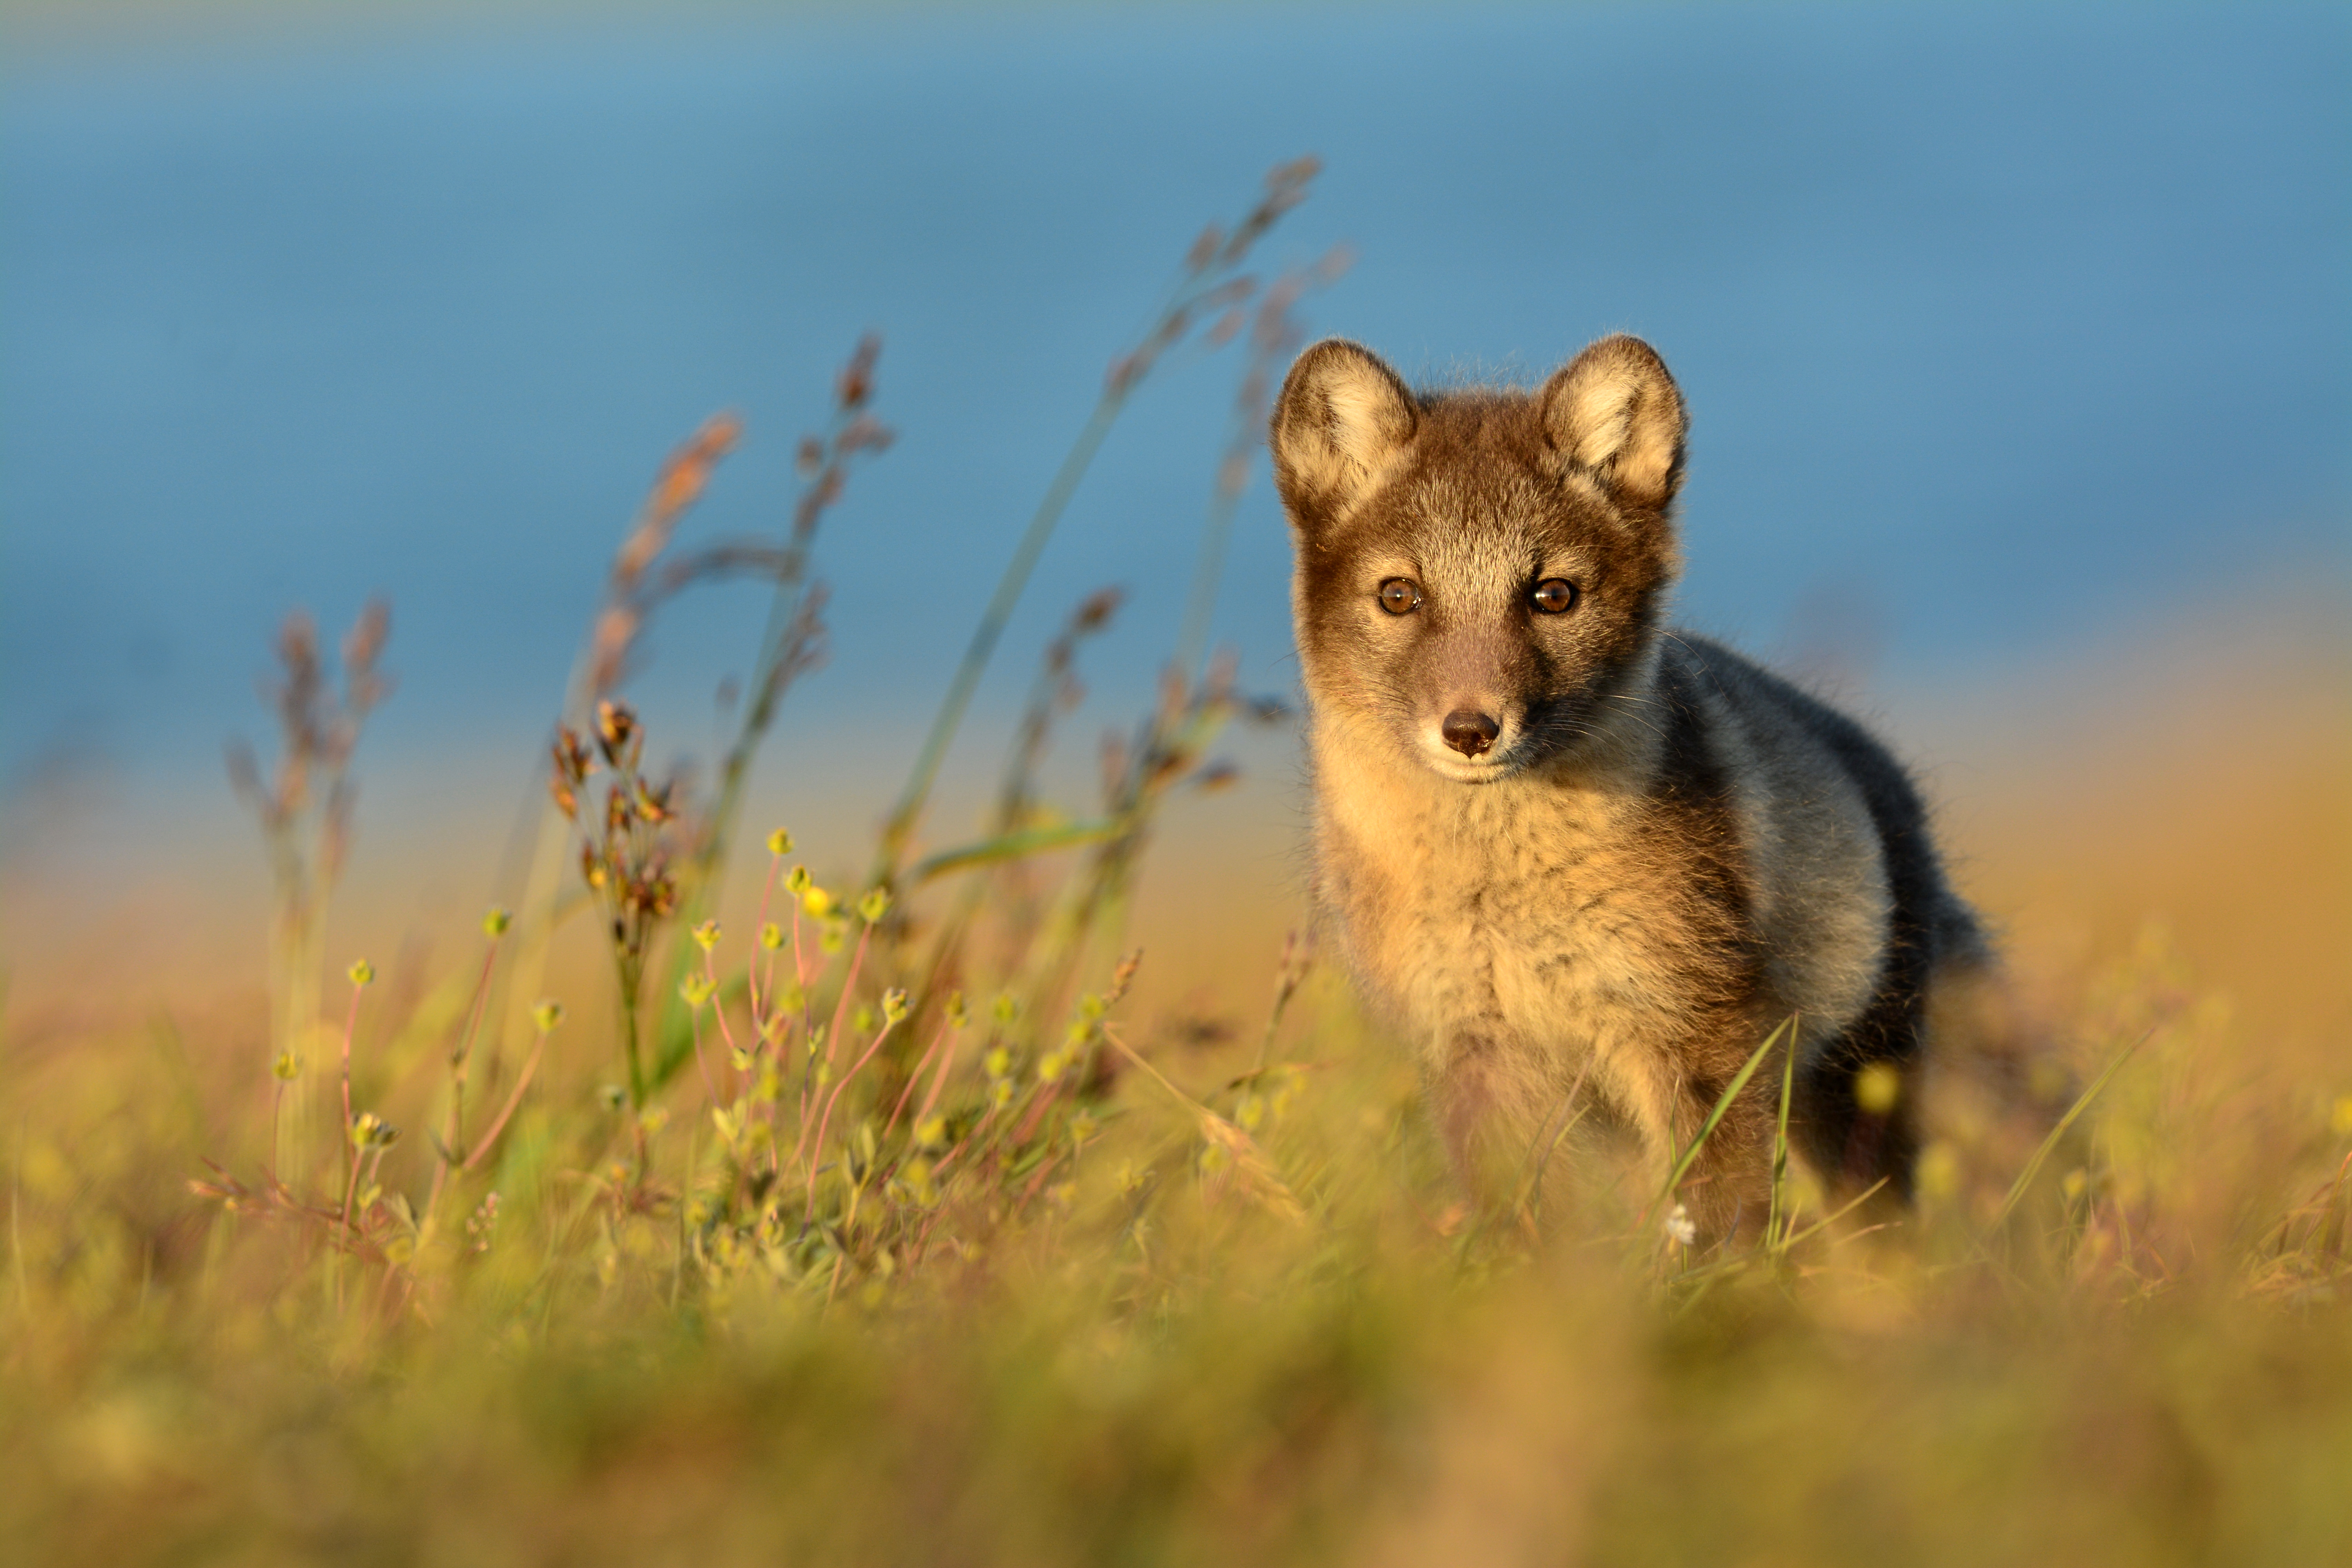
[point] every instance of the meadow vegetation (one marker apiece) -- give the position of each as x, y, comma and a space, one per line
876, 1217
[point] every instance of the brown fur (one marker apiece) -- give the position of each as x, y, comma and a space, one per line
1665, 852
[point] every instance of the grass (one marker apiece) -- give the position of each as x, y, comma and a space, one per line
913, 1219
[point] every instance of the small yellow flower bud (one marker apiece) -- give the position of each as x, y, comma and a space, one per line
1877, 1087
546, 1016
799, 881
872, 906
286, 1068
1050, 1065
817, 901
780, 843
495, 924
696, 989
894, 1004
933, 1132
706, 935
1939, 1169
771, 936
998, 1062
363, 973
957, 1016
655, 1119
1006, 1009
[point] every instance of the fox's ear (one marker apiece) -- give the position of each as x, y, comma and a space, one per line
1613, 412
1340, 419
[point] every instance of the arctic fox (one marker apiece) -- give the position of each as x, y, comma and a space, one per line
1561, 843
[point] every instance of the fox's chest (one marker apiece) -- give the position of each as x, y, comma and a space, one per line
1539, 923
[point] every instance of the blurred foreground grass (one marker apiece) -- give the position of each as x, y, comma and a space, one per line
1141, 1360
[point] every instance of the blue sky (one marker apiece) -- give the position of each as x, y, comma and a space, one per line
1997, 324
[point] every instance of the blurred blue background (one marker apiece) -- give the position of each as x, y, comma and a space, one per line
1997, 325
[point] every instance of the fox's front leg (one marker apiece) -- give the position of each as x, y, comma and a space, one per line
1487, 1101
1728, 1191
1462, 1097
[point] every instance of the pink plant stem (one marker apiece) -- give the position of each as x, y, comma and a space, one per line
848, 989
529, 1065
831, 1041
458, 1088
939, 1080
751, 971
916, 1077
717, 1001
977, 1129
350, 1025
800, 983
835, 1099
1037, 1109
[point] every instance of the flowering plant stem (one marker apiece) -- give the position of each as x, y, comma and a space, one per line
900, 826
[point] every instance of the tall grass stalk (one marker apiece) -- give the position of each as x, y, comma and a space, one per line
1209, 282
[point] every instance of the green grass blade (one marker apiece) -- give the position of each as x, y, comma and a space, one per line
2033, 1166
1014, 847
1779, 1217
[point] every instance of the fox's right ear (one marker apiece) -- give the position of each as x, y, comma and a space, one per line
1343, 416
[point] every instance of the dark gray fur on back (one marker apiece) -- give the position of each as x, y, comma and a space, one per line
1930, 927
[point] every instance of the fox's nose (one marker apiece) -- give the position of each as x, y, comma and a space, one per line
1467, 732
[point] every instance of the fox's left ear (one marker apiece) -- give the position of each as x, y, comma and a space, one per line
1613, 412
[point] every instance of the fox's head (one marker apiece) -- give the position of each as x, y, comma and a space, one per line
1479, 572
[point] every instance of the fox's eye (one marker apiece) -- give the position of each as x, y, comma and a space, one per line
1400, 595
1553, 596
